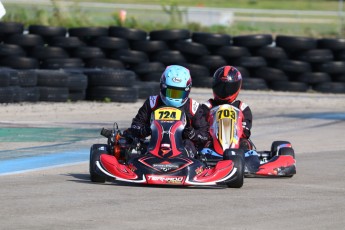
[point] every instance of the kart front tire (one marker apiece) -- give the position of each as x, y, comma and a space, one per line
239, 177
95, 153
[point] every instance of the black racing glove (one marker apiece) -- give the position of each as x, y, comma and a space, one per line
188, 133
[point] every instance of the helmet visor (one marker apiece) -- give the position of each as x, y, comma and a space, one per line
175, 93
226, 90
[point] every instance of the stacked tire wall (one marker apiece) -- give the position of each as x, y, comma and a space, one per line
44, 63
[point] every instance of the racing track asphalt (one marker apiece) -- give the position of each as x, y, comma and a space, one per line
63, 198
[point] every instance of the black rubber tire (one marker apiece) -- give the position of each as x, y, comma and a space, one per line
315, 55
230, 52
271, 74
253, 41
238, 160
110, 43
244, 72
169, 35
88, 32
20, 62
191, 48
77, 82
6, 95
30, 94
286, 152
332, 67
271, 52
76, 95
124, 78
146, 89
4, 78
129, 56
333, 44
104, 63
53, 94
211, 39
16, 90
330, 87
8, 28
289, 86
250, 62
113, 94
148, 46
254, 84
147, 68
45, 52
7, 50
338, 77
94, 156
130, 34
275, 145
25, 40
13, 75
293, 66
47, 32
88, 52
295, 43
151, 77
27, 78
212, 62
197, 71
169, 57
203, 82
313, 77
52, 78
62, 63
66, 42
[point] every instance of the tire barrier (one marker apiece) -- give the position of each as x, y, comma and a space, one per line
47, 63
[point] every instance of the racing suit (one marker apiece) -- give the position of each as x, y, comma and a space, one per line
195, 134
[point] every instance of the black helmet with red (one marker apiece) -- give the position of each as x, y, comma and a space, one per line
226, 84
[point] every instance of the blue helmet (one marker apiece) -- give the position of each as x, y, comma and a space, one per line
175, 84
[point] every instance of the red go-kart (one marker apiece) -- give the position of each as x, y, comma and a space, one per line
226, 130
162, 159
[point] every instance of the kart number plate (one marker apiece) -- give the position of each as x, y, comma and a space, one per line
226, 113
168, 114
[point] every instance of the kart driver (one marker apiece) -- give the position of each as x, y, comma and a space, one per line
226, 85
175, 86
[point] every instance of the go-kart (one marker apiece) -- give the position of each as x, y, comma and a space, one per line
161, 159
226, 130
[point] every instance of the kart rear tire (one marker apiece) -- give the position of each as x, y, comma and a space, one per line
239, 164
94, 156
275, 145
286, 151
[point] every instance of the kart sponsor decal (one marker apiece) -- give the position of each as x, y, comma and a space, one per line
177, 80
132, 167
199, 170
158, 179
101, 148
243, 106
167, 114
165, 166
153, 101
194, 106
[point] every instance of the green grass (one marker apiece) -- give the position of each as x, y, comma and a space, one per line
149, 20
330, 5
